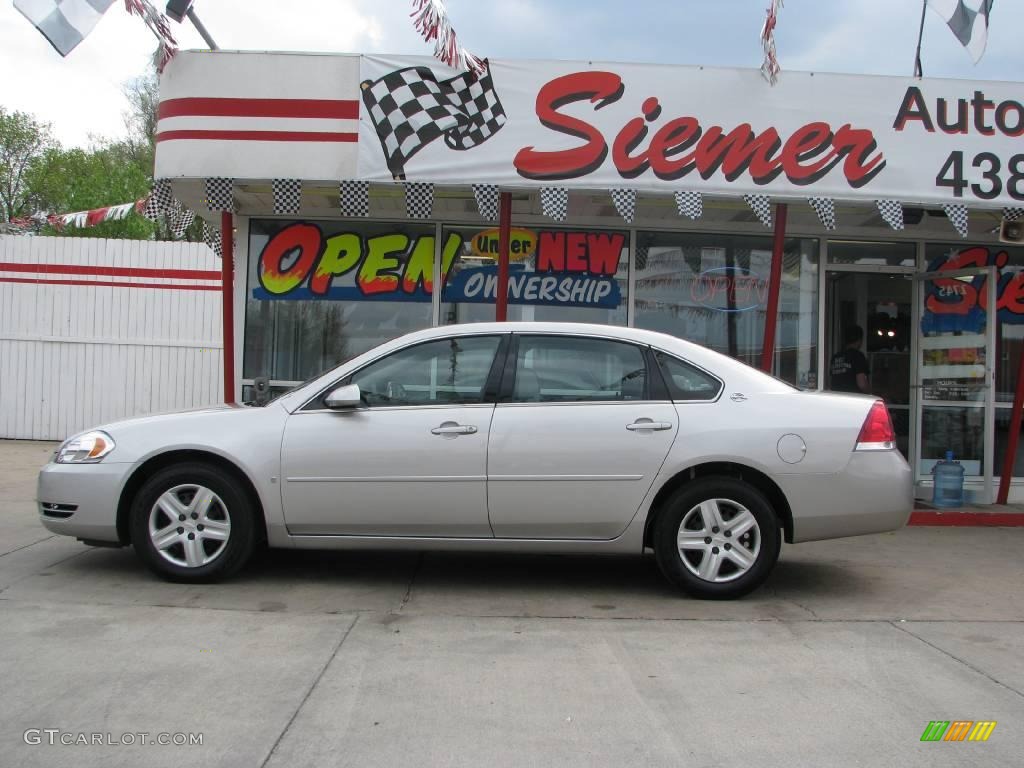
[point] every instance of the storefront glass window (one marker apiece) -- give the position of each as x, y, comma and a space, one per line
321, 292
555, 275
872, 254
713, 289
1009, 301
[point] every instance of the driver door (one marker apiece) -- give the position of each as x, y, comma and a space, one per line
412, 461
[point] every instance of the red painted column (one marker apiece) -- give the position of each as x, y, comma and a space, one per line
771, 317
504, 234
1014, 437
227, 272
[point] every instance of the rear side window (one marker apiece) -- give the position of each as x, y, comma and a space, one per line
685, 381
564, 369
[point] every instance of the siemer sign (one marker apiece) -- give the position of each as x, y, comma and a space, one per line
662, 128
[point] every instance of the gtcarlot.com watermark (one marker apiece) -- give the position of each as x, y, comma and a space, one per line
55, 736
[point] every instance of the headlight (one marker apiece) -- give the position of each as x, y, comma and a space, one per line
88, 448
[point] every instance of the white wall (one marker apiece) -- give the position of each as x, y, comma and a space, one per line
95, 330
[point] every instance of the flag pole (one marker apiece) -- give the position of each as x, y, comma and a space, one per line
920, 33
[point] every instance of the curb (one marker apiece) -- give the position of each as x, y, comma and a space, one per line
966, 519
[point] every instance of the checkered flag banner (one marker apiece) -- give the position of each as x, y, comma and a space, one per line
957, 215
354, 197
220, 194
554, 202
487, 200
891, 212
212, 237
968, 20
419, 200
410, 108
690, 204
625, 203
1012, 214
761, 207
825, 207
160, 200
64, 23
181, 221
287, 195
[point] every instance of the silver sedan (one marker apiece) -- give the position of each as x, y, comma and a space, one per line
540, 437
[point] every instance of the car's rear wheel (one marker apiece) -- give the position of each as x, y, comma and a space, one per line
192, 523
717, 538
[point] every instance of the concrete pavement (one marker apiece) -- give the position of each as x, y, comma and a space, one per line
378, 659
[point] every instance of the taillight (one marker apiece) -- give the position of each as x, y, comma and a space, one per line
877, 433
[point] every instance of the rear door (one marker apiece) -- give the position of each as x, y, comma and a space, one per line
577, 438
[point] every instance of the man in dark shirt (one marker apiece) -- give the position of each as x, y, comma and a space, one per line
849, 367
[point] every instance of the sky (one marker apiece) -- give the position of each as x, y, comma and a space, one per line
81, 95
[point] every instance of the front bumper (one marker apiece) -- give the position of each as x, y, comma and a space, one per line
873, 494
89, 492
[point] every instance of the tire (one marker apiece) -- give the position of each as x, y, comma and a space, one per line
205, 518
702, 567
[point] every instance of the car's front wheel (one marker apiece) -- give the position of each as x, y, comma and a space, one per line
192, 523
717, 538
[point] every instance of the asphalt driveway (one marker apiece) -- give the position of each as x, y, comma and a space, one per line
371, 659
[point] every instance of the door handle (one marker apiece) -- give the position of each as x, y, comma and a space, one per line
653, 426
449, 428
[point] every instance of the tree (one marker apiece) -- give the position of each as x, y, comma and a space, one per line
67, 180
24, 142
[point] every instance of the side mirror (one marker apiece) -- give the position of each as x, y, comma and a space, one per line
347, 396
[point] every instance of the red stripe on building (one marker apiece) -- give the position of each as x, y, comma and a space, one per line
965, 518
331, 109
210, 135
102, 271
110, 284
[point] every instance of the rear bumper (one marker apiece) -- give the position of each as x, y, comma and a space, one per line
873, 494
81, 499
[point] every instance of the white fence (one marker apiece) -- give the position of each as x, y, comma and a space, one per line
95, 330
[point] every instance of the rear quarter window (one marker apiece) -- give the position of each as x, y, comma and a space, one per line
686, 381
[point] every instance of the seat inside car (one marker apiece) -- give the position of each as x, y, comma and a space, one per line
527, 387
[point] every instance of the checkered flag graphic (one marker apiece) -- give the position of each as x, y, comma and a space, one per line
625, 203
410, 108
761, 207
64, 23
287, 195
825, 207
891, 212
487, 200
181, 220
642, 252
1012, 214
354, 197
160, 200
957, 215
220, 194
554, 202
419, 200
690, 204
211, 235
968, 20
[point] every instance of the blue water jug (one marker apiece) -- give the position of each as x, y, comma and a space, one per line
949, 483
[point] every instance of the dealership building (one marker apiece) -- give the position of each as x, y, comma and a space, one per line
362, 197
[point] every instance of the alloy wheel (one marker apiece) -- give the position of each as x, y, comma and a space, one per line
718, 540
189, 526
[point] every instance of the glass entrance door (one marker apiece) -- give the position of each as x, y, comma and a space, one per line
955, 382
880, 305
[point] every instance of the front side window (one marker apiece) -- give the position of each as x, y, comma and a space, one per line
560, 369
687, 382
447, 371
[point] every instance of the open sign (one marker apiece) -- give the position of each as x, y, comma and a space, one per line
729, 289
